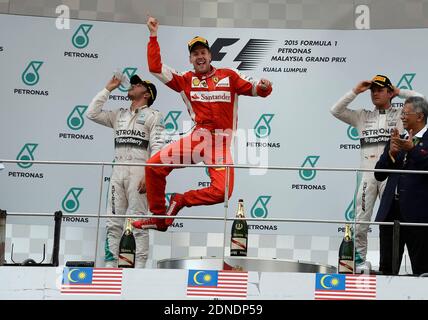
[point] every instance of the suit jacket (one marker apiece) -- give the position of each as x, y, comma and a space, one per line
412, 188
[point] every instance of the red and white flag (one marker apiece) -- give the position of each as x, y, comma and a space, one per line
213, 283
86, 281
345, 287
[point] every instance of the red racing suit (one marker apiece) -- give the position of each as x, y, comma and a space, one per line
212, 102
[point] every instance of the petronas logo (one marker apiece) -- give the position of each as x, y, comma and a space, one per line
353, 133
80, 38
128, 72
70, 203
259, 208
307, 174
170, 121
30, 76
406, 81
168, 198
26, 153
262, 128
75, 119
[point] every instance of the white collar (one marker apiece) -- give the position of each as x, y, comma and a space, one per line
419, 134
138, 108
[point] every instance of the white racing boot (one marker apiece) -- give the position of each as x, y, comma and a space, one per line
111, 264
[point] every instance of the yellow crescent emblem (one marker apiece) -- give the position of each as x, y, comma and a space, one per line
69, 275
195, 277
196, 82
323, 283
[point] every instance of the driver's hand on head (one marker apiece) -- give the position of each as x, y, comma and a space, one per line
396, 92
362, 86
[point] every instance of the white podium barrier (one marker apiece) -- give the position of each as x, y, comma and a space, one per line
44, 283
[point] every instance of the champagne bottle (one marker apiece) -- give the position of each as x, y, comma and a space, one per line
346, 253
239, 233
127, 247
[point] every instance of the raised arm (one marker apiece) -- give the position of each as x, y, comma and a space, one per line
250, 87
340, 109
165, 74
95, 110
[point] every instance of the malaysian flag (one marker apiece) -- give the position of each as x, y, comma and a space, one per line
211, 283
92, 281
345, 287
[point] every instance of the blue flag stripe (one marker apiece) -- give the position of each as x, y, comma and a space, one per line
77, 275
202, 278
330, 281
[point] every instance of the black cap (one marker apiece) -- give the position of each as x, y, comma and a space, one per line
135, 79
198, 40
382, 81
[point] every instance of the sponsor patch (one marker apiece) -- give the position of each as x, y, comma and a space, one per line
196, 83
223, 82
213, 96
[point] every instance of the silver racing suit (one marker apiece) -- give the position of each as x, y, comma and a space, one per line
374, 129
137, 136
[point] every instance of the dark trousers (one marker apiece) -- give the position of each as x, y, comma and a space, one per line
415, 238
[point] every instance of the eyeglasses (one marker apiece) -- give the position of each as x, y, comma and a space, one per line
408, 113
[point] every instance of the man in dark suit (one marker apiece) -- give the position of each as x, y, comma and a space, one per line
405, 195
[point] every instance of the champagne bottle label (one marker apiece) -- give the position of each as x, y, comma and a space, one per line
238, 244
346, 266
126, 260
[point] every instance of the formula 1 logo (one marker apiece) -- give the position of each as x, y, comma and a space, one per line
75, 120
70, 203
170, 121
30, 76
250, 56
350, 212
127, 72
262, 128
306, 174
406, 81
80, 38
352, 133
259, 208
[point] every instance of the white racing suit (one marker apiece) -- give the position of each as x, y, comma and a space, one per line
138, 135
374, 129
